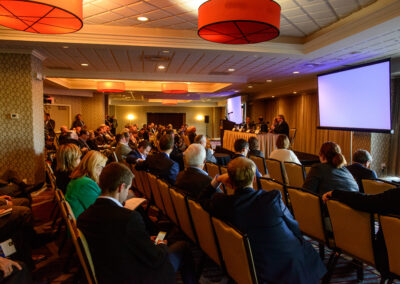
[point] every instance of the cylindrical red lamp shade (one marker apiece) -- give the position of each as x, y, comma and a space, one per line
174, 88
239, 21
111, 87
169, 102
44, 16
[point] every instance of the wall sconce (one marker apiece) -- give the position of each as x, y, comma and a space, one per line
200, 117
130, 117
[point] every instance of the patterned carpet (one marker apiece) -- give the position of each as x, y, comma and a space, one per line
54, 270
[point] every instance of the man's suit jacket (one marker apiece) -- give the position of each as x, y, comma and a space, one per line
50, 126
360, 172
160, 165
282, 128
83, 144
192, 182
281, 255
133, 156
210, 156
122, 151
121, 248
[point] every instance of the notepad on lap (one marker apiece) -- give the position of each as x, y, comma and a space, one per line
133, 203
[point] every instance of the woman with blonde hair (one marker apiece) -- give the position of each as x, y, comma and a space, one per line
68, 157
331, 173
283, 154
82, 190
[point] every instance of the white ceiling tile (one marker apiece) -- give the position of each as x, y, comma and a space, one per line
91, 10
157, 14
125, 22
142, 7
106, 4
125, 2
293, 12
125, 11
184, 26
287, 4
160, 3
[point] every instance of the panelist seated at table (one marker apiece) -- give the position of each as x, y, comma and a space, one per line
248, 125
262, 125
281, 126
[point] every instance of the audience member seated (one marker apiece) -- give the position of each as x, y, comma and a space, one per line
193, 180
82, 141
140, 154
83, 190
144, 133
160, 164
121, 248
202, 140
191, 134
67, 138
331, 173
281, 127
68, 158
122, 150
241, 147
101, 138
63, 133
386, 202
283, 154
12, 272
360, 168
281, 255
177, 152
254, 148
92, 141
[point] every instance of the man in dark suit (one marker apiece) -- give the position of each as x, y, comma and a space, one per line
49, 125
83, 137
282, 127
139, 154
160, 164
262, 125
281, 255
193, 180
241, 147
360, 168
122, 250
248, 125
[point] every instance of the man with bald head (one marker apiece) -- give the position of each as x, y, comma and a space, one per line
281, 255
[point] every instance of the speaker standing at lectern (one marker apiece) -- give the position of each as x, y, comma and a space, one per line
282, 127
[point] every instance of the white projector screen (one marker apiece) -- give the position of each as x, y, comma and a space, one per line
234, 110
356, 99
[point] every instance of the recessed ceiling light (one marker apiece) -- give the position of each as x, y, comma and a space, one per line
143, 19
250, 87
296, 72
236, 91
231, 69
273, 96
65, 46
269, 81
161, 67
84, 64
294, 92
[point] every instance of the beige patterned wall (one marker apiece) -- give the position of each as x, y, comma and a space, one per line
380, 147
21, 140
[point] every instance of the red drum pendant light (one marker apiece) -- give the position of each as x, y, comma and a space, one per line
174, 88
43, 17
239, 21
110, 87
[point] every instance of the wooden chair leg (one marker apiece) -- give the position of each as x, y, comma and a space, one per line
331, 267
360, 270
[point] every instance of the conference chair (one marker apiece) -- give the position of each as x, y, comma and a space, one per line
134, 181
376, 186
236, 253
205, 232
212, 169
227, 188
353, 233
166, 198
292, 135
307, 208
269, 184
276, 170
51, 176
158, 201
295, 174
144, 182
307, 169
391, 231
260, 163
182, 213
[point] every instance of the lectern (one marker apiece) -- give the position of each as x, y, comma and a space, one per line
225, 125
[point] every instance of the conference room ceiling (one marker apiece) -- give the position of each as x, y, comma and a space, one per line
316, 36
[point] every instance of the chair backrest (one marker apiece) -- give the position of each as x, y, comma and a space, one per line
353, 231
268, 184
260, 163
212, 169
391, 232
275, 170
166, 197
204, 231
292, 135
115, 157
134, 181
51, 176
236, 253
295, 173
145, 184
182, 212
156, 192
88, 255
307, 211
372, 186
228, 189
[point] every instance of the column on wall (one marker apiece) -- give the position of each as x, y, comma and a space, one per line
21, 120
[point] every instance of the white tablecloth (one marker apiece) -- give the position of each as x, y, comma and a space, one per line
266, 140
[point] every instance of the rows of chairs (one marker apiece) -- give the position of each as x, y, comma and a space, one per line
225, 245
